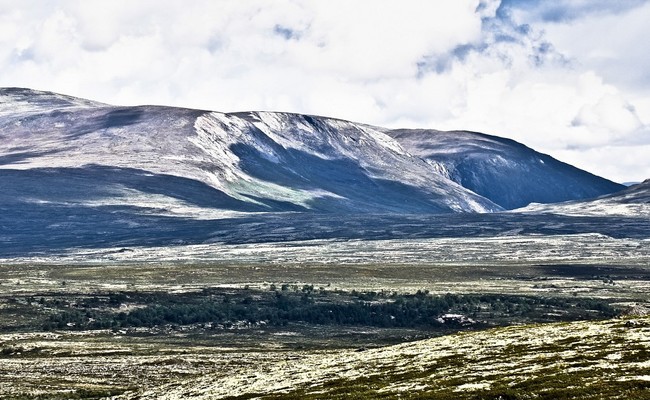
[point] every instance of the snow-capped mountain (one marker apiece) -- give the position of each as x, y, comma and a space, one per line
506, 172
56, 148
633, 201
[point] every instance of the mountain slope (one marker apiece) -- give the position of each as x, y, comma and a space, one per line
78, 174
578, 360
506, 172
58, 149
25, 101
633, 201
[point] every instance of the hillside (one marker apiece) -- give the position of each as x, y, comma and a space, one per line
78, 174
506, 172
606, 359
632, 202
257, 161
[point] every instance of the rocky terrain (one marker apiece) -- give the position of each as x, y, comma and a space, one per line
609, 359
80, 175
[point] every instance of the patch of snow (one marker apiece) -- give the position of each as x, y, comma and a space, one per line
473, 387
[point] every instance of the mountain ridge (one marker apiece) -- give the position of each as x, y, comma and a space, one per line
507, 172
83, 175
295, 163
277, 161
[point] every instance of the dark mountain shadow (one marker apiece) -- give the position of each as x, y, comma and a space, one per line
95, 182
122, 117
530, 177
51, 228
29, 229
113, 118
345, 178
503, 170
22, 156
78, 122
50, 209
288, 227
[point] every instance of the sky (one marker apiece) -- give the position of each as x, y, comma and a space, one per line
570, 78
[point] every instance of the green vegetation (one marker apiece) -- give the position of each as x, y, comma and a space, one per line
218, 308
552, 386
76, 394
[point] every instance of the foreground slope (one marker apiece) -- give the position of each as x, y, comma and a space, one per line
608, 359
506, 172
62, 150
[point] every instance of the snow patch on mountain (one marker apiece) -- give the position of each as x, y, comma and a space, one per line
320, 159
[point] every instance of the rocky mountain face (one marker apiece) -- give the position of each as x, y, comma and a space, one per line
58, 149
506, 172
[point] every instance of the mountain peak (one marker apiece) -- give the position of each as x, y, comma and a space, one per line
23, 100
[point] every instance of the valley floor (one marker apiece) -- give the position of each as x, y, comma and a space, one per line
490, 329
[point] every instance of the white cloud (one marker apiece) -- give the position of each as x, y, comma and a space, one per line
617, 161
517, 68
226, 54
607, 42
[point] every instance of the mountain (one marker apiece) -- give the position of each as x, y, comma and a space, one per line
181, 161
57, 149
81, 174
633, 201
502, 170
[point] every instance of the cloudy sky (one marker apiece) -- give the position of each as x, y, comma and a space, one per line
570, 78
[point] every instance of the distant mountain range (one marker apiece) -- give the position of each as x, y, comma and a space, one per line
61, 149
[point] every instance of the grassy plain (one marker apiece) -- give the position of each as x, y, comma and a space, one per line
99, 352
